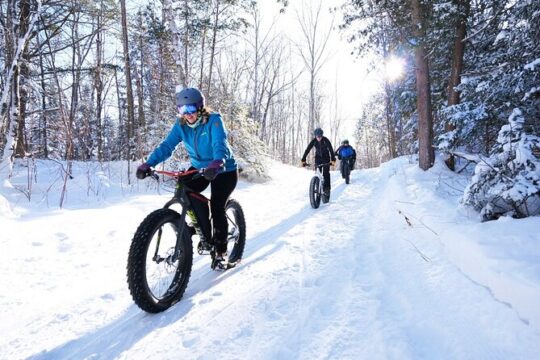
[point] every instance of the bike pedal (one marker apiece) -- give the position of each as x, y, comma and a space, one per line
217, 265
204, 248
222, 265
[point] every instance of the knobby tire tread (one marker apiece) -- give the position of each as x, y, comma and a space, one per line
240, 220
314, 192
136, 267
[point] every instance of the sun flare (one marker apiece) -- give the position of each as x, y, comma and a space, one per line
394, 68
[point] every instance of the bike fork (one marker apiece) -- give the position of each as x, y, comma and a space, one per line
180, 235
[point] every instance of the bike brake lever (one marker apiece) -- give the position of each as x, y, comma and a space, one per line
154, 175
198, 175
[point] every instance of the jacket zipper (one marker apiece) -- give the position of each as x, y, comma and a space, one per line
196, 132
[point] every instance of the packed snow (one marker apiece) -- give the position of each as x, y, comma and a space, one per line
393, 267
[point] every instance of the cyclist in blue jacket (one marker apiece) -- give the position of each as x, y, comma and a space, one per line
205, 138
346, 153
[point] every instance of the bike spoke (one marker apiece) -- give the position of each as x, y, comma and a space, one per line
231, 219
161, 269
233, 233
160, 231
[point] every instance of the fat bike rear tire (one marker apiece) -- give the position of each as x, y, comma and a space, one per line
236, 237
326, 196
315, 192
151, 260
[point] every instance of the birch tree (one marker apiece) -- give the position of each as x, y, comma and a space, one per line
17, 39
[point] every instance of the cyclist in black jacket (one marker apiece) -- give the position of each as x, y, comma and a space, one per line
324, 154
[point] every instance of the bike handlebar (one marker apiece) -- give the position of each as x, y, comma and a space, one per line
194, 174
320, 165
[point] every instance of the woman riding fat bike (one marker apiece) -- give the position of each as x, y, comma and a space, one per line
161, 252
204, 136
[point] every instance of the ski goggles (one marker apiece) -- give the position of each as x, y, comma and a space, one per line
187, 109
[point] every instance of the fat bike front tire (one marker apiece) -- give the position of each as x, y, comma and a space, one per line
315, 192
157, 273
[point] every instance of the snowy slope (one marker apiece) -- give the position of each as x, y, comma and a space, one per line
391, 268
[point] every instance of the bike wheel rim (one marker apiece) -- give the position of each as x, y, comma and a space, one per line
162, 279
233, 232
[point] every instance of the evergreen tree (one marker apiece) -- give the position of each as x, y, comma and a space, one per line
508, 182
499, 75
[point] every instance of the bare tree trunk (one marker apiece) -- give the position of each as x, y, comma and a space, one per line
76, 64
141, 126
426, 153
23, 73
256, 48
368, 152
130, 122
186, 43
335, 118
16, 106
98, 83
457, 68
311, 113
283, 145
7, 110
63, 114
267, 107
390, 126
177, 43
203, 42
21, 148
157, 100
213, 48
314, 56
13, 55
294, 128
121, 117
44, 135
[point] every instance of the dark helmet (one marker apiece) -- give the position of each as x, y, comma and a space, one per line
190, 96
345, 142
318, 132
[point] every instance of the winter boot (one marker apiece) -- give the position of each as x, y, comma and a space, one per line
326, 196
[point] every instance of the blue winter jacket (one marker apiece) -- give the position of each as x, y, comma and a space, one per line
205, 143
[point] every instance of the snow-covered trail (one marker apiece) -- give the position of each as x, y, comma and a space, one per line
350, 280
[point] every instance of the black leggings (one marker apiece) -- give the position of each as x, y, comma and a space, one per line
326, 175
349, 161
221, 188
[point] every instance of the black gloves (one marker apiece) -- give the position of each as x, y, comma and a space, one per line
213, 169
143, 171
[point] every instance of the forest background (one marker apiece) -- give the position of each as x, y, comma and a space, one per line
95, 81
